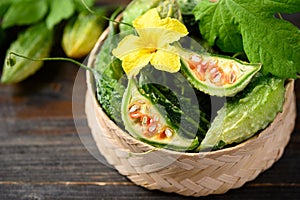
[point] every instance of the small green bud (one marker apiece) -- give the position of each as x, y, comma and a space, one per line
11, 61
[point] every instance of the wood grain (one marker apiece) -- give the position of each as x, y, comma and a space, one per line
42, 156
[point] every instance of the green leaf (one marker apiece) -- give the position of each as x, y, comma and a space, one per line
24, 12
273, 42
4, 5
59, 10
218, 27
274, 6
276, 46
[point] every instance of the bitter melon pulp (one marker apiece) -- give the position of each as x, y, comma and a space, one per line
145, 121
217, 75
186, 108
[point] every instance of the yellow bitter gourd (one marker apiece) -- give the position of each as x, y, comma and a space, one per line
81, 34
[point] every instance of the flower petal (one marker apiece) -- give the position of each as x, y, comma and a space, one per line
166, 60
168, 29
173, 25
148, 20
133, 62
152, 45
128, 45
172, 30
152, 37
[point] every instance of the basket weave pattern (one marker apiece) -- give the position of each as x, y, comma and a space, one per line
189, 174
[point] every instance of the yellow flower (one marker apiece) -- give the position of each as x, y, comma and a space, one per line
152, 45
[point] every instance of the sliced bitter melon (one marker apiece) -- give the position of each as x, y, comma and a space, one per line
217, 75
245, 114
147, 122
183, 107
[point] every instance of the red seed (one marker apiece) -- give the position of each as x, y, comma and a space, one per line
200, 76
168, 132
162, 135
232, 77
135, 115
152, 127
150, 134
156, 118
134, 108
195, 58
192, 65
146, 120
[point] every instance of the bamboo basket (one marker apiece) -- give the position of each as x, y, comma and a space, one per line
189, 174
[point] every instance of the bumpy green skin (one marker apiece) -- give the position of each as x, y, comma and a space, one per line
187, 6
177, 142
35, 42
228, 90
246, 114
110, 86
110, 80
169, 8
105, 57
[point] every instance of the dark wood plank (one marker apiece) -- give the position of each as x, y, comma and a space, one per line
92, 191
63, 158
38, 164
42, 156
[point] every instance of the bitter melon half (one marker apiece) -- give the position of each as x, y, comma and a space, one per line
245, 114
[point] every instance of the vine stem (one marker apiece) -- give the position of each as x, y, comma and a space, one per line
119, 9
237, 54
51, 59
279, 15
87, 7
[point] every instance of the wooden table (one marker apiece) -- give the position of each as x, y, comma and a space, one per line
42, 156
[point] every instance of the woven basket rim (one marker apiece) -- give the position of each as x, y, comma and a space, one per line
91, 88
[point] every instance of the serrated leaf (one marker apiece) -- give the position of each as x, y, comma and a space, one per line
59, 10
24, 13
278, 48
273, 42
273, 6
220, 30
